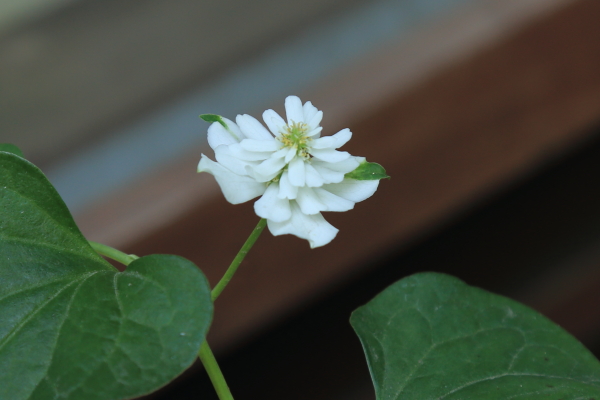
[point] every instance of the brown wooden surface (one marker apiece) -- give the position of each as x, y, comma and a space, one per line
447, 143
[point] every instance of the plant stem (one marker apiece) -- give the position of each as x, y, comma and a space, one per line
214, 372
205, 354
113, 254
238, 259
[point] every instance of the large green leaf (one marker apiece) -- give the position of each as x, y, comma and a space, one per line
11, 148
431, 336
71, 325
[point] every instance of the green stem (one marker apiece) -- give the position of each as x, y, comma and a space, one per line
113, 254
214, 372
238, 259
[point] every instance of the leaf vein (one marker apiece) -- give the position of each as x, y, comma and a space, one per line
52, 246
513, 374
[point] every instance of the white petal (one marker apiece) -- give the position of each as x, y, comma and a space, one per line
329, 155
315, 120
296, 172
269, 168
260, 145
290, 154
348, 165
309, 202
271, 207
310, 112
281, 153
275, 123
315, 133
218, 135
332, 201
286, 189
230, 161
352, 189
328, 175
236, 150
342, 137
313, 178
252, 128
236, 189
313, 228
324, 142
293, 110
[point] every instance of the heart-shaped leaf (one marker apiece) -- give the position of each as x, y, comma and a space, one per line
11, 148
431, 336
71, 325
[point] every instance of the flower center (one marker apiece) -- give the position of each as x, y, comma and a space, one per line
294, 136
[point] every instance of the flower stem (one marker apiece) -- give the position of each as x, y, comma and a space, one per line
238, 259
113, 254
214, 372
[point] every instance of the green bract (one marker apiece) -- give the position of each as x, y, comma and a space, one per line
214, 118
72, 326
368, 171
431, 336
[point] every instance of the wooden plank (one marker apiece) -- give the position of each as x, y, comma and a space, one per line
446, 144
93, 66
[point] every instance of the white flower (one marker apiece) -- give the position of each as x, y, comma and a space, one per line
298, 173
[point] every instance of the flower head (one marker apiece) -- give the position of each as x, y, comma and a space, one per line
297, 173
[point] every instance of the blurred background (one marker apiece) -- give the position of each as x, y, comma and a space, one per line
486, 113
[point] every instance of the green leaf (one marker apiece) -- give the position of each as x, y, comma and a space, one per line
11, 148
214, 118
431, 336
368, 171
72, 326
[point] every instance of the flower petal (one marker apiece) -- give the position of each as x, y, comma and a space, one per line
328, 175
269, 169
315, 133
286, 189
290, 154
296, 172
310, 112
271, 207
333, 202
218, 135
236, 189
342, 137
313, 228
352, 189
293, 110
348, 165
231, 161
329, 155
236, 150
281, 153
260, 145
252, 128
309, 202
324, 142
315, 120
313, 178
274, 121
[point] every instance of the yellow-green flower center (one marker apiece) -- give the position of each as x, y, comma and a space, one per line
294, 136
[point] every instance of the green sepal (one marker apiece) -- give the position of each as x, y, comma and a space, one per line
214, 118
431, 336
11, 148
368, 171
